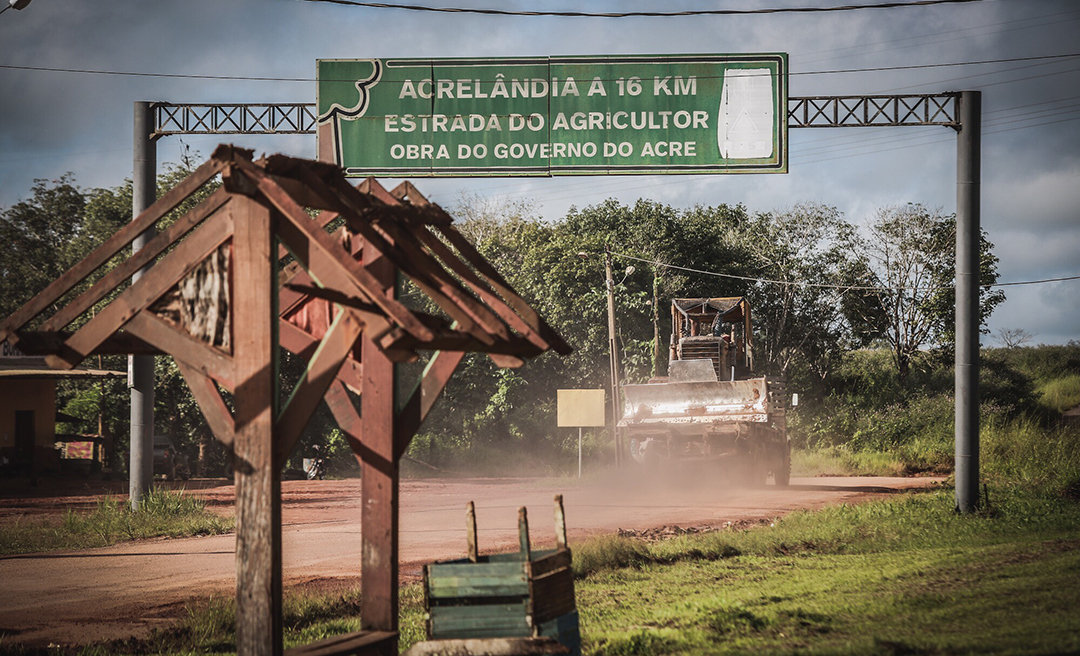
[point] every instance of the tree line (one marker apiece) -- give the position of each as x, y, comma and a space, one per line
819, 285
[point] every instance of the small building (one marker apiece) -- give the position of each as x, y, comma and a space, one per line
28, 412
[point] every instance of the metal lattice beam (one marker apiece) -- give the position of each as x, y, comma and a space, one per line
874, 111
808, 112
233, 118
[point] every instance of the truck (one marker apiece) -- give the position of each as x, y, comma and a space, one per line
711, 407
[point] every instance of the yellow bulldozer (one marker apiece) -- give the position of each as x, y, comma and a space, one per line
711, 406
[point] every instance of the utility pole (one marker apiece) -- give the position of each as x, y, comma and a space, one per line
968, 236
141, 367
613, 345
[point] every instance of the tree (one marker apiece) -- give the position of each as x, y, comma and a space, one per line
908, 261
1014, 337
798, 317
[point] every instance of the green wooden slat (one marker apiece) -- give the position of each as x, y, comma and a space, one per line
499, 619
508, 569
482, 633
450, 591
516, 611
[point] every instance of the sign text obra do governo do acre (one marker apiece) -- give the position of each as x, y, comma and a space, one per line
556, 115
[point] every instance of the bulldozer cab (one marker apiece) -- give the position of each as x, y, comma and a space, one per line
715, 329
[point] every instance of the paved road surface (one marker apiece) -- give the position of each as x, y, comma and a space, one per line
127, 589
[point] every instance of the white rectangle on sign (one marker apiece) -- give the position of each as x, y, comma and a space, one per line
581, 407
746, 114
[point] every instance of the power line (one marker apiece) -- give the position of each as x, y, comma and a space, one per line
245, 78
801, 283
641, 14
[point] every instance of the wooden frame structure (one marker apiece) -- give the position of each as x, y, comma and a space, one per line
221, 298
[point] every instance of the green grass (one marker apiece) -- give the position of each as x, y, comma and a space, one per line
1060, 394
904, 575
163, 514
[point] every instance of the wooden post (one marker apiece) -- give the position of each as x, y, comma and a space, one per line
379, 475
560, 523
470, 532
523, 533
258, 487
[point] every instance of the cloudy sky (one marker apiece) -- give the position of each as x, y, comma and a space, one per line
54, 122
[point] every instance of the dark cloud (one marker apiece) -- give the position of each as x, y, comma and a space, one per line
55, 122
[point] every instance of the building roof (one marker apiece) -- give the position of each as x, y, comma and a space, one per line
32, 367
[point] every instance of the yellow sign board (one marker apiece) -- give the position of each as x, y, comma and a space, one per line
581, 407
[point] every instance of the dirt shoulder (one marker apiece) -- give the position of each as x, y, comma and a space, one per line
131, 588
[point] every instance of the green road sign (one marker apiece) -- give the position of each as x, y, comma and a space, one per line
555, 115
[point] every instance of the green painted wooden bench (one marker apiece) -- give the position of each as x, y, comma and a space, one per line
524, 594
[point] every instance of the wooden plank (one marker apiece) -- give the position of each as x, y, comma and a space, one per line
360, 277
446, 294
509, 570
561, 559
553, 596
473, 257
451, 588
416, 261
432, 382
510, 617
322, 219
560, 523
258, 485
322, 368
470, 531
330, 266
300, 343
379, 484
152, 284
218, 416
523, 533
109, 248
481, 288
197, 354
358, 642
140, 258
348, 420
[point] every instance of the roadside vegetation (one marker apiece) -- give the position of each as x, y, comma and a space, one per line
900, 575
163, 513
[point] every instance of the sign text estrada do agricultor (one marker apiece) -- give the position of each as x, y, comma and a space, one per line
556, 115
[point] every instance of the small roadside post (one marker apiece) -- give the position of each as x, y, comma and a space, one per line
581, 408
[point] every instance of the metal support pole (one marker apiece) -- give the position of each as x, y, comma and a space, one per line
141, 367
579, 451
613, 346
968, 235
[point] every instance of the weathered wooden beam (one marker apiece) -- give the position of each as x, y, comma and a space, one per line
217, 414
470, 315
258, 485
470, 532
109, 248
379, 486
182, 260
359, 643
32, 342
140, 258
481, 288
432, 382
322, 368
477, 261
197, 354
314, 247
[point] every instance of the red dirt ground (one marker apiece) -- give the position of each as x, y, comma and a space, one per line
133, 587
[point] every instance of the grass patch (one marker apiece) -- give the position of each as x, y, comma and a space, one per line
164, 513
900, 576
905, 575
1060, 394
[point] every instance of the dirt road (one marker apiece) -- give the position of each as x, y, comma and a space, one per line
128, 589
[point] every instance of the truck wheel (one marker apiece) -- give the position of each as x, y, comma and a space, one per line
782, 473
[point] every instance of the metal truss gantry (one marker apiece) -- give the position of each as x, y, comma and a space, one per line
804, 112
